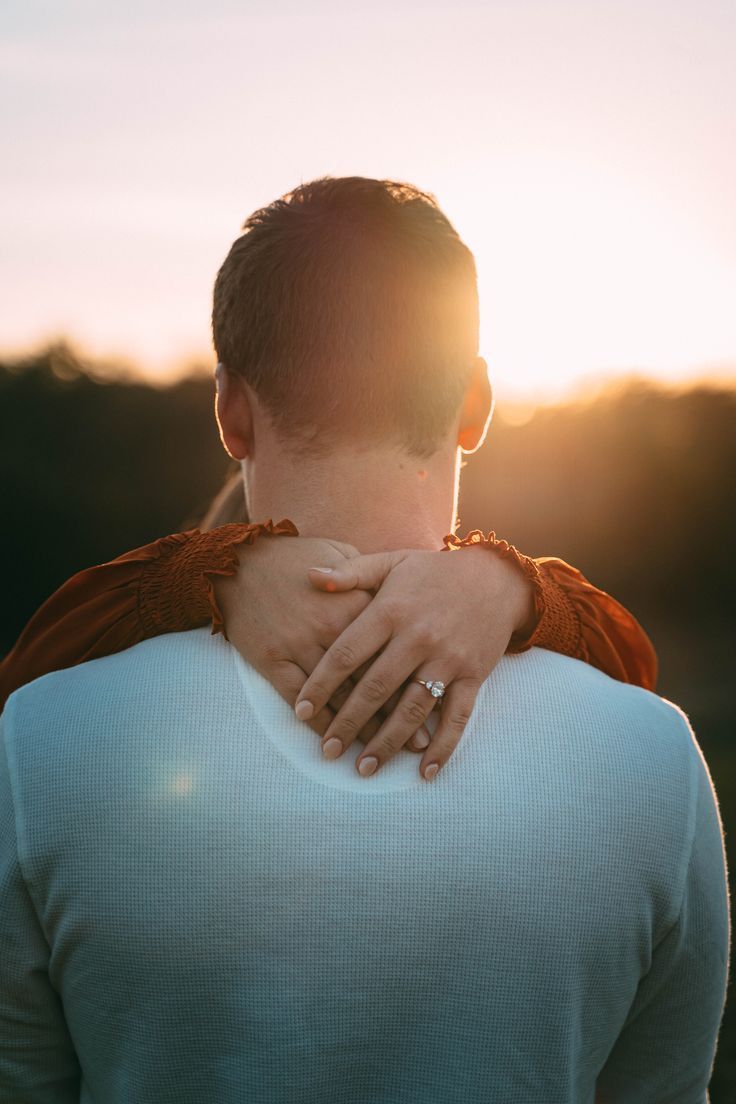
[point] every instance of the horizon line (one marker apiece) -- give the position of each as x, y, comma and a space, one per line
121, 368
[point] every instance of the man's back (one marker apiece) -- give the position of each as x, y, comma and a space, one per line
226, 916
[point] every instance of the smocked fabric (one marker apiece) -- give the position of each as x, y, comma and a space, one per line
175, 590
162, 587
572, 616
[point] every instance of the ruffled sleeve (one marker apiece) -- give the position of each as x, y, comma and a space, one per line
161, 588
575, 618
584, 622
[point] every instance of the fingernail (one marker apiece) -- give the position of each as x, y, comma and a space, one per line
304, 710
322, 570
421, 739
431, 771
332, 748
367, 766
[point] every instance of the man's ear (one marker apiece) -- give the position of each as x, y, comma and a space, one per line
234, 413
477, 409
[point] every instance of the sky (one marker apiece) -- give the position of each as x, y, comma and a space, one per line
586, 152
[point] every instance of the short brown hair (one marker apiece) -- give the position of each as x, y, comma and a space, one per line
350, 306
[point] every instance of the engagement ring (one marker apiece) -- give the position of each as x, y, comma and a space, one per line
436, 688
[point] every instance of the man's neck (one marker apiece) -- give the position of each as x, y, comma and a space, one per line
375, 500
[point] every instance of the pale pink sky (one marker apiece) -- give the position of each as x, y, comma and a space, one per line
585, 151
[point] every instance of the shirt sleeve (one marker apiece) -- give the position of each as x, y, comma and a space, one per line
163, 587
577, 619
573, 617
38, 1064
667, 1046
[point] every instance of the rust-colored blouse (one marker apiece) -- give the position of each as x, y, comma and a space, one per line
167, 587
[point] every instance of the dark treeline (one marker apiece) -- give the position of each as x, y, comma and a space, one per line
635, 488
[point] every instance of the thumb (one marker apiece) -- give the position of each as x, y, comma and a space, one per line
360, 573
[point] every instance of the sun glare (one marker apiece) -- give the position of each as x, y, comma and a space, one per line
584, 152
182, 784
583, 276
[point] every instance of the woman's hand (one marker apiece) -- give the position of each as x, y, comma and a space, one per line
281, 624
444, 616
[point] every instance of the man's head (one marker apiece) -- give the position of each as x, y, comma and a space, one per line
349, 308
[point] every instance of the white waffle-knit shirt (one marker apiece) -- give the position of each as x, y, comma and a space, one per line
195, 906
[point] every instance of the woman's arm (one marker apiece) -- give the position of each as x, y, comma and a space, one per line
161, 588
577, 619
167, 587
573, 617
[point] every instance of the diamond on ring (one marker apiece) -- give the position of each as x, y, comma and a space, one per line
436, 687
